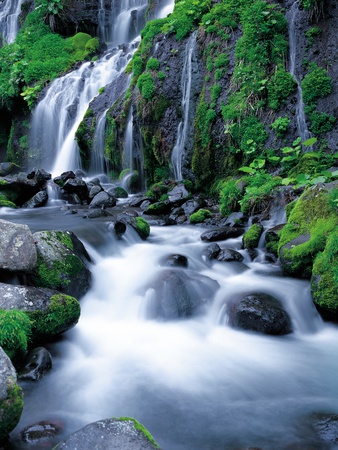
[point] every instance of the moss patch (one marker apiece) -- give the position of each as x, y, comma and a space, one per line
252, 236
10, 408
140, 428
200, 216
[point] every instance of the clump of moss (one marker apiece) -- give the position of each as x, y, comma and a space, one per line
143, 227
15, 331
200, 216
252, 236
10, 408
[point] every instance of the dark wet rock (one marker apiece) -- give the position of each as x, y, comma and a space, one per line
259, 312
221, 234
136, 202
174, 260
159, 208
145, 204
95, 214
41, 176
178, 215
325, 427
17, 247
62, 263
272, 239
61, 179
228, 255
178, 195
8, 168
52, 312
236, 219
102, 200
117, 192
287, 260
212, 251
139, 224
40, 433
18, 188
38, 200
193, 205
177, 293
76, 186
38, 362
11, 397
79, 173
119, 228
112, 434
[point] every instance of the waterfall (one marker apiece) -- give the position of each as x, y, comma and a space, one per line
129, 19
102, 22
182, 130
9, 13
128, 143
97, 161
302, 129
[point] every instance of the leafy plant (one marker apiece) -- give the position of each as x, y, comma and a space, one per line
280, 126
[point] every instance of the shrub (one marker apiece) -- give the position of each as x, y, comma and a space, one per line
229, 196
146, 85
280, 126
153, 64
92, 45
316, 84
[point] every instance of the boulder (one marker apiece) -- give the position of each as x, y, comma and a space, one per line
11, 397
51, 312
61, 180
40, 176
39, 199
178, 195
94, 190
113, 434
235, 219
40, 434
76, 186
251, 237
102, 200
17, 247
7, 168
62, 263
221, 234
229, 255
139, 224
174, 260
37, 363
272, 239
159, 208
177, 293
117, 192
259, 312
18, 188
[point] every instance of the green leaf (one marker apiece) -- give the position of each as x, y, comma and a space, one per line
258, 163
319, 179
310, 142
288, 150
247, 169
334, 173
286, 181
274, 158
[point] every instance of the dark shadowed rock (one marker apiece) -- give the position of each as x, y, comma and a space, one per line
228, 255
259, 312
17, 247
7, 168
178, 195
212, 251
76, 186
39, 199
38, 362
102, 200
95, 214
221, 234
112, 434
174, 260
235, 219
40, 176
325, 427
177, 293
40, 434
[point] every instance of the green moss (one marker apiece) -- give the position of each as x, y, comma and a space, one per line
312, 218
200, 216
143, 227
63, 312
252, 236
139, 427
15, 330
10, 408
324, 282
153, 64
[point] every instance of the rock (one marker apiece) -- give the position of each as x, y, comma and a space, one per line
178, 293
18, 188
94, 190
38, 362
112, 434
119, 229
52, 313
325, 427
221, 234
137, 201
8, 168
192, 205
40, 176
235, 219
17, 247
40, 434
95, 214
174, 260
140, 225
39, 199
11, 397
117, 192
251, 237
159, 208
259, 312
178, 195
272, 239
61, 180
62, 263
300, 267
102, 200
212, 251
76, 186
229, 255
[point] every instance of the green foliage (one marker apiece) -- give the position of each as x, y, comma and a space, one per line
200, 216
92, 45
281, 85
10, 408
153, 64
321, 122
137, 65
146, 85
15, 331
316, 84
280, 126
258, 192
311, 34
229, 196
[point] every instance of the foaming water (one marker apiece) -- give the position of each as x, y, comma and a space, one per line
194, 383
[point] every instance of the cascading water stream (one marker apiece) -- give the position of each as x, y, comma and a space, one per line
182, 130
195, 383
9, 14
292, 14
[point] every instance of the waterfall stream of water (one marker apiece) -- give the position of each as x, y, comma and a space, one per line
196, 384
302, 129
186, 77
9, 15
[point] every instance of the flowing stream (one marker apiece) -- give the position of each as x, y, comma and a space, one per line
196, 383
9, 14
302, 129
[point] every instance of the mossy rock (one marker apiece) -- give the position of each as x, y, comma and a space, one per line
158, 208
11, 397
60, 264
251, 237
272, 237
200, 216
324, 281
310, 223
142, 227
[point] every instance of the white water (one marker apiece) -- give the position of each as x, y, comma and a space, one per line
128, 21
302, 129
128, 143
196, 384
9, 14
182, 131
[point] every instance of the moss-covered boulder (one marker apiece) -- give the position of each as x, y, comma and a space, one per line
251, 237
11, 397
51, 313
122, 433
62, 263
310, 223
200, 216
324, 281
